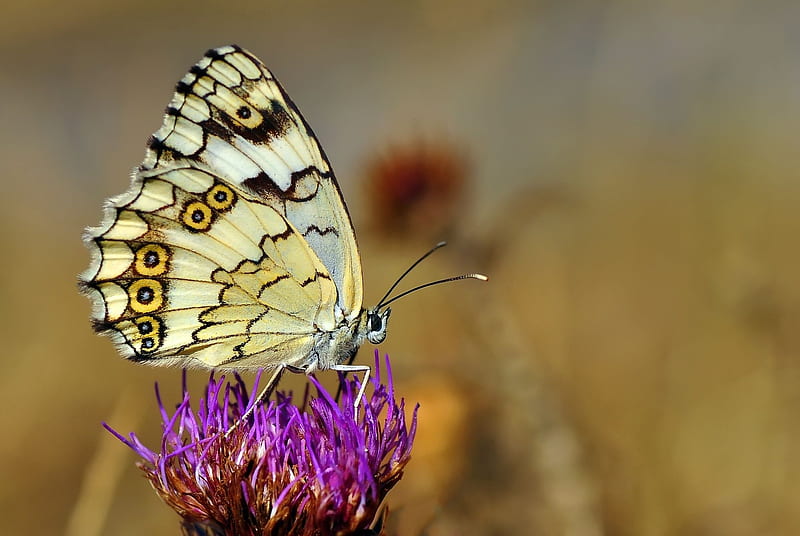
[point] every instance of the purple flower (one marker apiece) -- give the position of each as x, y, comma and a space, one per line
284, 469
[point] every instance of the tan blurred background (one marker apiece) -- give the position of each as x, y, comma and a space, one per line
625, 172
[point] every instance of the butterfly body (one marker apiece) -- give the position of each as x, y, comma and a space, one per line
233, 247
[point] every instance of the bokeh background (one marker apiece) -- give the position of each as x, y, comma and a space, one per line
626, 173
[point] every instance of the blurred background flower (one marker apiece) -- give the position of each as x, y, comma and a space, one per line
287, 468
416, 189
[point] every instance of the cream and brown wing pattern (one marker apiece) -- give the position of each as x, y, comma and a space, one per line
233, 247
188, 269
231, 114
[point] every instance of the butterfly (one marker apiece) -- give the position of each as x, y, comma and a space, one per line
233, 247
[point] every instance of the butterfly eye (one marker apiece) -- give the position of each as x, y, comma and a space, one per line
375, 322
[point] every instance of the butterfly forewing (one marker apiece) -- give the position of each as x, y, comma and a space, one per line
229, 113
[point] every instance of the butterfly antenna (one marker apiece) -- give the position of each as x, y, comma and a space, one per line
397, 282
479, 277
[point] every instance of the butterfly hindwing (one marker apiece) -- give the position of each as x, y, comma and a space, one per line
230, 114
188, 265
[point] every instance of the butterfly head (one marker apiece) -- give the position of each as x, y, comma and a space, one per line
377, 322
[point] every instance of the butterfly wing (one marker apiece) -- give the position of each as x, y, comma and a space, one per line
189, 268
230, 113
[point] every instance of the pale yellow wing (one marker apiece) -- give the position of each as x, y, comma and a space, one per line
230, 114
189, 269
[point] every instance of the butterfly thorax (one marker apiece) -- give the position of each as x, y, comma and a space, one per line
332, 348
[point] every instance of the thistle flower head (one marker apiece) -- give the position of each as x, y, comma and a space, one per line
311, 468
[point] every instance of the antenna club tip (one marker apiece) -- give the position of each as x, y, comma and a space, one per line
481, 277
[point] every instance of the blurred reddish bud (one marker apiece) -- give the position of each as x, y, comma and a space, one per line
416, 188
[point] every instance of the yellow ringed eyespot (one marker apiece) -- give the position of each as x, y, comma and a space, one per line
150, 329
146, 295
220, 197
151, 260
197, 216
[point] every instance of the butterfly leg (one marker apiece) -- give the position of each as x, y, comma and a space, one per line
356, 368
341, 383
263, 396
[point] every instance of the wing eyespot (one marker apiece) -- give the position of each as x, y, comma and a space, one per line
197, 216
220, 197
150, 329
152, 260
145, 295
